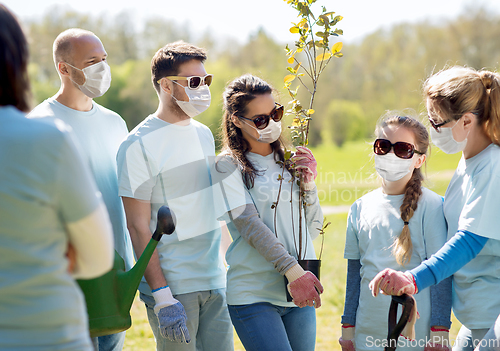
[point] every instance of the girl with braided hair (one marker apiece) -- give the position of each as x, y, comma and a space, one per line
397, 225
464, 110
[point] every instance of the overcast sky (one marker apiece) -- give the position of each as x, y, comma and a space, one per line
241, 18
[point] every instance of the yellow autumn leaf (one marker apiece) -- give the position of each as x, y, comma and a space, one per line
323, 57
294, 30
291, 60
289, 78
337, 47
310, 111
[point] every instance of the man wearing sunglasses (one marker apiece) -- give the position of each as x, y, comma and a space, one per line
164, 161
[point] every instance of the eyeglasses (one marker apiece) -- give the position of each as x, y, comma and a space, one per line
194, 81
262, 121
436, 126
401, 149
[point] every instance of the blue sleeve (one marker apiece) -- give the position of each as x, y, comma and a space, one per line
456, 253
352, 290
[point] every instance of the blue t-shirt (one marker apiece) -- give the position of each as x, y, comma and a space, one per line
167, 164
99, 132
471, 204
43, 187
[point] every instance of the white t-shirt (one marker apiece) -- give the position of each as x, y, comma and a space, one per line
374, 222
99, 132
167, 164
472, 203
250, 277
44, 187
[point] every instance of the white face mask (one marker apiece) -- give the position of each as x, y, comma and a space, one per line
199, 100
97, 79
445, 141
269, 134
392, 168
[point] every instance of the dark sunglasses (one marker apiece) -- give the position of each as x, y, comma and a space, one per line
262, 121
436, 126
401, 149
194, 81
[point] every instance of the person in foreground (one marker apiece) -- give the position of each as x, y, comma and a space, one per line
164, 161
406, 217
54, 225
464, 110
265, 234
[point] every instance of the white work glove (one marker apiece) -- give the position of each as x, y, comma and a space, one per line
346, 341
171, 316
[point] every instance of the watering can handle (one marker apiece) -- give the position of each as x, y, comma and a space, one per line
165, 223
396, 329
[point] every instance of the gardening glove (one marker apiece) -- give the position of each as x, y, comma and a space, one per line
171, 316
393, 282
306, 165
439, 340
346, 341
304, 287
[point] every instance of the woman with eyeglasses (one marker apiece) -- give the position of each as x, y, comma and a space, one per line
464, 110
264, 229
397, 225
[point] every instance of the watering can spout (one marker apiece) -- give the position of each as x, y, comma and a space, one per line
110, 297
129, 281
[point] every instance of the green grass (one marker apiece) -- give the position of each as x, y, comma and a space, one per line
343, 171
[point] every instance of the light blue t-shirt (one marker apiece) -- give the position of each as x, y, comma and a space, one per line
374, 223
472, 203
250, 277
167, 164
99, 132
43, 186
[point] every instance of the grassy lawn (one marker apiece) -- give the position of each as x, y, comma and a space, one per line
343, 175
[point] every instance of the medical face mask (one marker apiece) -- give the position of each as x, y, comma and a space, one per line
199, 100
445, 141
392, 168
269, 134
97, 79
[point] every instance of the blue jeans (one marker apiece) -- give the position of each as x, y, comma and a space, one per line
208, 322
113, 342
263, 326
468, 339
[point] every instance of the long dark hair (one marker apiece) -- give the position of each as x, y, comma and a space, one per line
403, 246
14, 81
236, 96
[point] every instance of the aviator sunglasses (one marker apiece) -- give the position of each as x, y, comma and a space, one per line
401, 149
194, 81
262, 121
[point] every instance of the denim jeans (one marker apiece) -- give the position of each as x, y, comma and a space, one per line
263, 326
468, 339
208, 322
113, 342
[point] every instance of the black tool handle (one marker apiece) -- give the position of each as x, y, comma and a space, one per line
395, 329
165, 223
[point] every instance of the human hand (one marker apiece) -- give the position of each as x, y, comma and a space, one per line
346, 341
439, 340
306, 165
171, 316
71, 256
304, 287
393, 282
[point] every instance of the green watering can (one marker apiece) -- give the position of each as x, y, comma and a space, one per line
110, 296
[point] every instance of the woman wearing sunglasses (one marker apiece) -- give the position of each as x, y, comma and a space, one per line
264, 248
397, 225
464, 111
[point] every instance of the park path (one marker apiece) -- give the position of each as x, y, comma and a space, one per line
327, 210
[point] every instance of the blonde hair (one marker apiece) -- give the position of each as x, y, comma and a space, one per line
402, 247
458, 90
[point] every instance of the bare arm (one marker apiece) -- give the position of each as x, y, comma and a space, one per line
138, 214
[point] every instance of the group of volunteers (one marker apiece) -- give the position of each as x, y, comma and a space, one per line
75, 185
